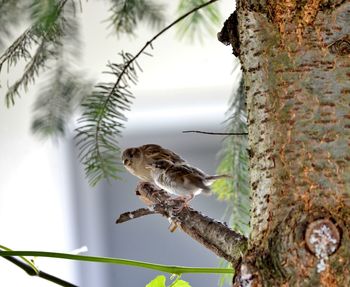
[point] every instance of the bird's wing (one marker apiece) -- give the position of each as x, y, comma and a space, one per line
156, 152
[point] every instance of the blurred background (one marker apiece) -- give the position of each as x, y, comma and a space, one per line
47, 204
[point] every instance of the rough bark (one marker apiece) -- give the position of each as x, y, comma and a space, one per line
295, 57
214, 235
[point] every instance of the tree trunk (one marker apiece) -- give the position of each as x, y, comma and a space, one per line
295, 57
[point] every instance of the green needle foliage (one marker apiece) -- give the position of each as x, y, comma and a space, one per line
206, 20
44, 12
60, 95
44, 38
103, 115
235, 162
102, 121
52, 44
48, 45
11, 12
126, 14
63, 88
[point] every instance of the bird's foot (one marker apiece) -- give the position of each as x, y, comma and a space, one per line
181, 203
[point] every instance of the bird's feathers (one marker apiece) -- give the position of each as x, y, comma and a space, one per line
167, 170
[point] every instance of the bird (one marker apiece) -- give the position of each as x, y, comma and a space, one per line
135, 159
182, 180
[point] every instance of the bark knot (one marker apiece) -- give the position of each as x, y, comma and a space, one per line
341, 47
229, 34
323, 239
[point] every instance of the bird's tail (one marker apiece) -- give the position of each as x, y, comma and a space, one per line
206, 190
209, 180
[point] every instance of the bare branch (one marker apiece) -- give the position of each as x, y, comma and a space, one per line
215, 133
126, 216
214, 235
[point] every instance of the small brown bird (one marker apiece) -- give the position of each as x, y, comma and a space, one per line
181, 179
136, 159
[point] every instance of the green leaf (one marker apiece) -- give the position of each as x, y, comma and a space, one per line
180, 283
159, 281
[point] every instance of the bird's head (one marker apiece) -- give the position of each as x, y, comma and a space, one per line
130, 155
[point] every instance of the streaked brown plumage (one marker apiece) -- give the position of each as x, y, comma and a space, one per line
136, 159
181, 179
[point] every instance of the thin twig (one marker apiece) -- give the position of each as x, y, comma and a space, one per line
134, 214
215, 133
30, 271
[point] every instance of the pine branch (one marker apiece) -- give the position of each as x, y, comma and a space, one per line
101, 122
103, 114
64, 88
20, 49
59, 96
126, 14
11, 14
31, 71
235, 161
201, 21
46, 37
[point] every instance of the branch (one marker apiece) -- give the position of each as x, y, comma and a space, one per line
134, 214
214, 235
214, 133
30, 271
